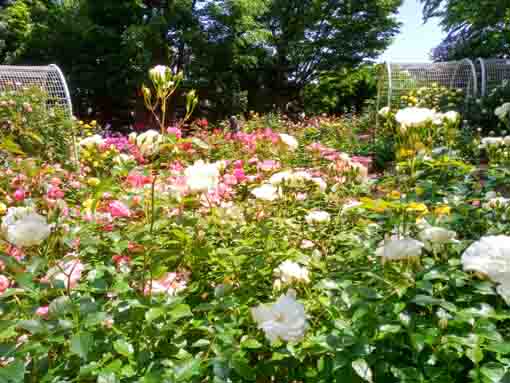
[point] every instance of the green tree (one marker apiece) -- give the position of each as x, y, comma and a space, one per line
310, 37
474, 28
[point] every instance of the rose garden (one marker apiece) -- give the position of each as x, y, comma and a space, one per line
331, 247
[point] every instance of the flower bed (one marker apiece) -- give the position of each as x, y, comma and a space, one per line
264, 255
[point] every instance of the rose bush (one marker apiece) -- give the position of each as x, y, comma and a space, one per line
266, 255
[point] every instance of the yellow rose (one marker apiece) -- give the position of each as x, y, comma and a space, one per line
420, 208
87, 204
395, 194
93, 181
3, 208
443, 210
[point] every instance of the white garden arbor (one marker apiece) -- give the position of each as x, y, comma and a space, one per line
476, 78
398, 79
49, 78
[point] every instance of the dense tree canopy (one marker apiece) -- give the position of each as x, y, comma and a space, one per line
239, 53
478, 28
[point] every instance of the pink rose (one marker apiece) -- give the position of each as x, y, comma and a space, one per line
4, 283
175, 131
19, 195
54, 192
170, 283
268, 165
42, 311
67, 272
239, 175
230, 179
118, 209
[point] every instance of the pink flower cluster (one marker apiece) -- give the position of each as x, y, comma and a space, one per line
250, 140
325, 152
170, 283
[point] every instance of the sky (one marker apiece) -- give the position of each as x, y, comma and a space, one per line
416, 39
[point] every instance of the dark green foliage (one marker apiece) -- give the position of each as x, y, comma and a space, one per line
475, 28
240, 54
338, 92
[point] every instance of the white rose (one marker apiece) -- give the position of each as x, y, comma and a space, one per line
434, 237
491, 141
413, 116
289, 140
92, 141
502, 111
496, 202
452, 116
490, 256
306, 244
289, 272
148, 142
285, 319
280, 177
23, 227
384, 111
266, 192
317, 216
290, 178
398, 249
202, 177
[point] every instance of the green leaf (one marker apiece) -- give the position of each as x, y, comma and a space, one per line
361, 367
475, 354
13, 372
124, 348
107, 377
33, 326
81, 344
500, 348
251, 343
153, 314
60, 306
201, 343
180, 311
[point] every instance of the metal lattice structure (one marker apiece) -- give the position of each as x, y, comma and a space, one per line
492, 73
49, 78
398, 79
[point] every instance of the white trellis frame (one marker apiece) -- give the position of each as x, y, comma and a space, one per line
49, 78
492, 73
397, 79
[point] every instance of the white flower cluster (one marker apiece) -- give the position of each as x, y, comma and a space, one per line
285, 319
416, 117
399, 249
296, 178
202, 177
148, 142
159, 73
502, 111
267, 192
23, 227
89, 142
494, 142
317, 217
493, 201
289, 272
289, 140
435, 237
490, 256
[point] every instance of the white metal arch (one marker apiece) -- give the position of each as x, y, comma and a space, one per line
49, 78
